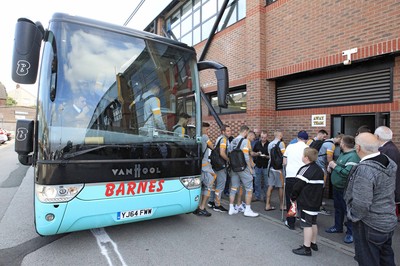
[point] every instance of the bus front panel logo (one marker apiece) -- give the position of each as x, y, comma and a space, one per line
136, 171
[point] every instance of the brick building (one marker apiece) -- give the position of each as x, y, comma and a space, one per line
3, 94
287, 61
10, 114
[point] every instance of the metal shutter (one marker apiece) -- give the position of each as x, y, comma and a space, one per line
363, 87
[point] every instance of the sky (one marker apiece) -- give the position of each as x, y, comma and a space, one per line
115, 11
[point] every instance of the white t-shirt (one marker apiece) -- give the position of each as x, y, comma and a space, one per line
294, 154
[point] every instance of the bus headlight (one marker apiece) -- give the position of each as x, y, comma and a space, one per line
191, 182
58, 193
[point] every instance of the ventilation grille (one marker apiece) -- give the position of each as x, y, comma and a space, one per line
363, 88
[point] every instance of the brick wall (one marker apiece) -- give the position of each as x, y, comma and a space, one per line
9, 117
310, 34
291, 36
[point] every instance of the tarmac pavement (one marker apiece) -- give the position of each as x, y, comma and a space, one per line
334, 240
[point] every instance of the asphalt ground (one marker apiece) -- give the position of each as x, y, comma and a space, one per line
226, 240
334, 240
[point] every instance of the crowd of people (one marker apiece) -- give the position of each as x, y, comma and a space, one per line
362, 171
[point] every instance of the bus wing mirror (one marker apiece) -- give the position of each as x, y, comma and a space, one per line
222, 86
24, 141
27, 43
221, 73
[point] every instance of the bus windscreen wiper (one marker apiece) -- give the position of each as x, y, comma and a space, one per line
77, 153
67, 156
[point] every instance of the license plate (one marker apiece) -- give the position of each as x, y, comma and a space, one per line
134, 213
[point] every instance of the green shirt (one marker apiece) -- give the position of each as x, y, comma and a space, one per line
344, 163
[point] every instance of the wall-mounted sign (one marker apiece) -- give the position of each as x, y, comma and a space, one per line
318, 120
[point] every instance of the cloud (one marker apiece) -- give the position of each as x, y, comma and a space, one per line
93, 58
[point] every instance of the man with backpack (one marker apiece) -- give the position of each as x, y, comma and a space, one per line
326, 149
319, 139
180, 128
276, 149
220, 146
241, 173
207, 174
149, 104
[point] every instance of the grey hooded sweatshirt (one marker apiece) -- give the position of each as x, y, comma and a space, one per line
369, 194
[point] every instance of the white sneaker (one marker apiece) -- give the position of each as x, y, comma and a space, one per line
324, 211
250, 213
232, 211
240, 208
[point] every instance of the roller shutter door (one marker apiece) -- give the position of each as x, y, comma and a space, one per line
368, 82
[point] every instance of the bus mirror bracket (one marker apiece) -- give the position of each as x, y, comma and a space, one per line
25, 159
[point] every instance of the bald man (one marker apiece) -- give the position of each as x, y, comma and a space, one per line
370, 203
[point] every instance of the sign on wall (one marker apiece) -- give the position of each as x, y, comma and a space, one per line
318, 120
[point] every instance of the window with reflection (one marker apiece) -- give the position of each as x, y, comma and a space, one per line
192, 23
187, 105
237, 98
112, 89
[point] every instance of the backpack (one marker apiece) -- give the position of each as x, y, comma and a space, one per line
175, 128
276, 157
237, 160
217, 162
317, 144
139, 108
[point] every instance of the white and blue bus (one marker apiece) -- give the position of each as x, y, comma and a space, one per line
109, 169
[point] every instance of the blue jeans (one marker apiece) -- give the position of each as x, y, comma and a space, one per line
371, 246
259, 190
340, 211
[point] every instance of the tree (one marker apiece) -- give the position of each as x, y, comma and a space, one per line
10, 101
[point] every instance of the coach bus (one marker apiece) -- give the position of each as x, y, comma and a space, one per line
102, 166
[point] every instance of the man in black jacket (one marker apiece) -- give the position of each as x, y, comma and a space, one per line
260, 157
385, 135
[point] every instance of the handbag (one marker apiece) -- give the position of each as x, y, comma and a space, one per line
292, 210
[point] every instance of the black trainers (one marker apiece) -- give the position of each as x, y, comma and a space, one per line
211, 204
314, 246
200, 212
291, 227
220, 208
302, 250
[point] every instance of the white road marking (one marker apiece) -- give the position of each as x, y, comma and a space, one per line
104, 241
